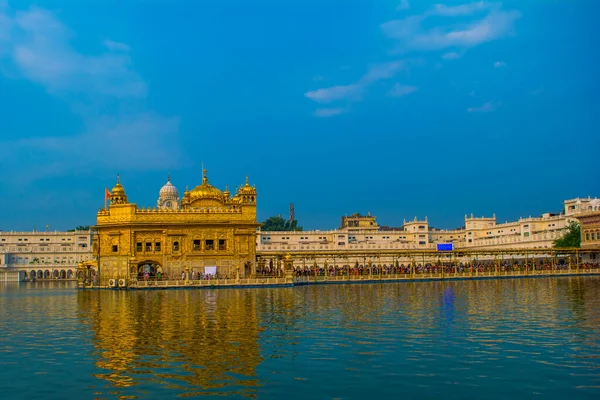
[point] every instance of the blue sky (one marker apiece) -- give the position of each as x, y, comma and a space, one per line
398, 108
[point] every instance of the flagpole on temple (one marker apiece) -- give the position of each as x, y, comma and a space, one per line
107, 195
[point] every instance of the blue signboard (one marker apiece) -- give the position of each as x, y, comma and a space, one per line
444, 247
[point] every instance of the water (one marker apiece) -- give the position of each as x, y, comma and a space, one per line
426, 340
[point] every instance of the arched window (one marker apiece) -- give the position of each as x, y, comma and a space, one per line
175, 246
587, 236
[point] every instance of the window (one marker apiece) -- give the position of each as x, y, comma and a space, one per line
148, 246
196, 244
175, 246
138, 247
209, 244
157, 246
222, 244
115, 248
526, 234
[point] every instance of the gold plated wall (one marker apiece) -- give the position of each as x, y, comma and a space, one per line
212, 229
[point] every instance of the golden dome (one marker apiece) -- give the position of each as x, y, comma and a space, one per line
117, 194
117, 190
247, 189
206, 190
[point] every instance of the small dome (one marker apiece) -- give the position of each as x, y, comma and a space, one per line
118, 190
169, 190
117, 194
247, 189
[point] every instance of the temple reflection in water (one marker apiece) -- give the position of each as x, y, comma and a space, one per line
261, 342
191, 339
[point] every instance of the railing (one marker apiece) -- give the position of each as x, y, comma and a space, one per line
316, 279
208, 282
475, 273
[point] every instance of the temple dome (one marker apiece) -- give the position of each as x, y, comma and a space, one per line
205, 191
117, 194
118, 190
169, 190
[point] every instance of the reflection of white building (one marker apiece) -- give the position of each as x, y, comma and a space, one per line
46, 255
360, 232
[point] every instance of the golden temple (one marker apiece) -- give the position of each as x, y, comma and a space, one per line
207, 230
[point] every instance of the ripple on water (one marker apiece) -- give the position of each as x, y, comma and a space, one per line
416, 340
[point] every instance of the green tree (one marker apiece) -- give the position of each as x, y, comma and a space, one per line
279, 224
80, 228
572, 238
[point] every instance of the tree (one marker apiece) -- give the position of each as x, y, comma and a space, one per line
80, 228
572, 238
279, 224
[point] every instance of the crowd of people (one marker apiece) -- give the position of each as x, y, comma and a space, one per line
427, 268
378, 269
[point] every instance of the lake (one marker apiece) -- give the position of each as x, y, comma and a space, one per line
428, 340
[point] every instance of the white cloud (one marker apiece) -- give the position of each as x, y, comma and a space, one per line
42, 53
404, 5
400, 90
461, 10
116, 46
412, 35
330, 112
451, 56
499, 64
38, 48
487, 107
381, 71
327, 95
354, 91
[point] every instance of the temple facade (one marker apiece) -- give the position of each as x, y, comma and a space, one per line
206, 231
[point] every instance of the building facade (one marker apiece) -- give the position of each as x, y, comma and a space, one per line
45, 255
205, 232
359, 233
589, 222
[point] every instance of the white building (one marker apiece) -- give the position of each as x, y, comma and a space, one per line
45, 255
359, 233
